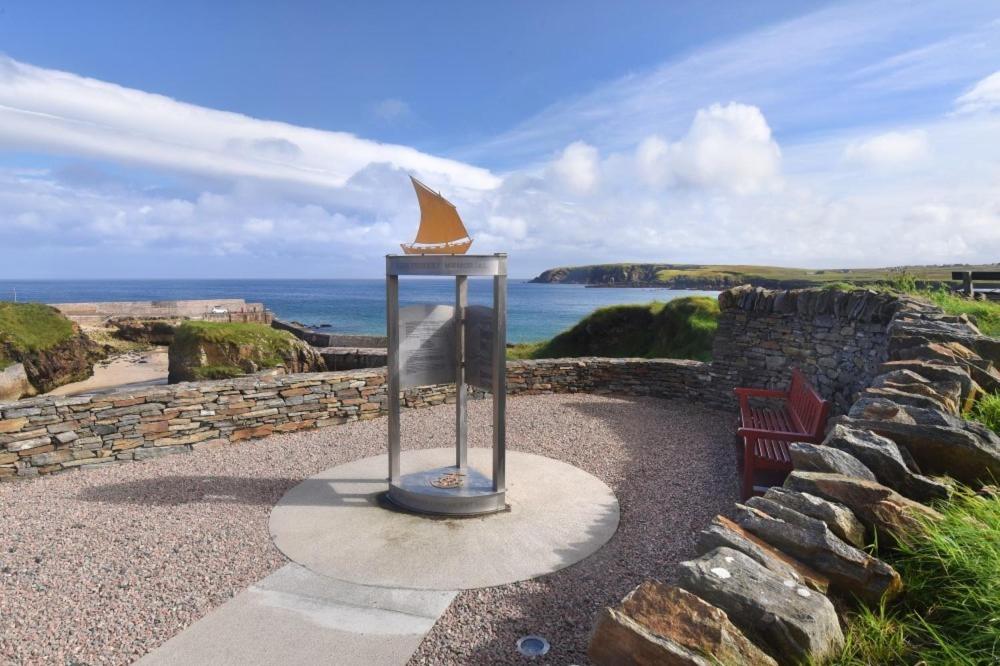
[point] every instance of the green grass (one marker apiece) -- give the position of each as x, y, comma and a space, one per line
985, 313
681, 328
266, 343
26, 328
205, 372
987, 411
950, 612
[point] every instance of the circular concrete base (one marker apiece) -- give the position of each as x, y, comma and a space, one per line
334, 525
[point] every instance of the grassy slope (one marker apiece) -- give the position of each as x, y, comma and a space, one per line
681, 328
30, 327
950, 612
267, 344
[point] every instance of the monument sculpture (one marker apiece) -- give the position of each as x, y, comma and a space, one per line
440, 343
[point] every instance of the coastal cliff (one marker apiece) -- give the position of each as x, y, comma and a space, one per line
40, 349
721, 277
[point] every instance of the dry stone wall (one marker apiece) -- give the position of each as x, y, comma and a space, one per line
53, 434
760, 589
838, 339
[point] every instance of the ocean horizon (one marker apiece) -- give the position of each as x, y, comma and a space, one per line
534, 311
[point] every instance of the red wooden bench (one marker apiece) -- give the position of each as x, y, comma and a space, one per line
799, 416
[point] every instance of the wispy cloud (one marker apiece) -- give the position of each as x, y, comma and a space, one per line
60, 112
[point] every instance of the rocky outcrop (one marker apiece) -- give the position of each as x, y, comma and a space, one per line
71, 360
880, 508
852, 573
226, 350
939, 442
150, 331
659, 624
883, 457
791, 622
940, 372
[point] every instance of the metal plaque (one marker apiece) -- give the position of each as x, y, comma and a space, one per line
426, 345
445, 264
479, 346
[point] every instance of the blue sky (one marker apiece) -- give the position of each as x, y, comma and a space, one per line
249, 140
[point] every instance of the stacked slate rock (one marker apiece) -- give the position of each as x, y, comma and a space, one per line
761, 590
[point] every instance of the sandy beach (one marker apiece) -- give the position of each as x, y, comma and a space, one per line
124, 371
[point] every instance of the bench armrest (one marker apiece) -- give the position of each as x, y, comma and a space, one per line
755, 433
760, 393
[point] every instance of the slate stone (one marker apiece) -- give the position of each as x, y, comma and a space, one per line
852, 572
837, 517
939, 372
939, 442
818, 458
882, 455
663, 624
880, 508
789, 621
724, 533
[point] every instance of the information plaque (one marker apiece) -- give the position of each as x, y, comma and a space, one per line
479, 343
426, 345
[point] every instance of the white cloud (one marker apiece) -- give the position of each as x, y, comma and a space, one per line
391, 109
984, 96
890, 150
45, 110
727, 146
578, 168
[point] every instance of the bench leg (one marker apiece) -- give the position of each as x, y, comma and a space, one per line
747, 469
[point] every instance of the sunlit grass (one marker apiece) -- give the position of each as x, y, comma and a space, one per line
950, 612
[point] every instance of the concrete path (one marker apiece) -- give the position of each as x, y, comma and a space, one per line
295, 617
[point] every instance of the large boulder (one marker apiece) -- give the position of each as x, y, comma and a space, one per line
852, 572
818, 458
14, 383
880, 508
724, 533
662, 624
882, 456
150, 331
210, 350
940, 443
837, 517
789, 621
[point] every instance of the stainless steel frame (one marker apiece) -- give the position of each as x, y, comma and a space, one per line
414, 491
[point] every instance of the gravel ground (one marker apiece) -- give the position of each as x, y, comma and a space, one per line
99, 567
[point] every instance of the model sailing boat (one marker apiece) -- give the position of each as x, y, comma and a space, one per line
441, 230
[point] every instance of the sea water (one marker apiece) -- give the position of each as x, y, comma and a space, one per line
534, 311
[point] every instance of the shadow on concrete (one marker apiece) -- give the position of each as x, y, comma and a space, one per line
179, 490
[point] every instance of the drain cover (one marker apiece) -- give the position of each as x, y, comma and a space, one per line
532, 646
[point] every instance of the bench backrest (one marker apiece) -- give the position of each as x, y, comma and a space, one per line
806, 406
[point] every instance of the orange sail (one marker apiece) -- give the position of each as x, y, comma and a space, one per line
441, 230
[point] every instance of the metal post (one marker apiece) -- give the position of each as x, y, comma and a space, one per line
392, 326
461, 418
967, 283
500, 375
